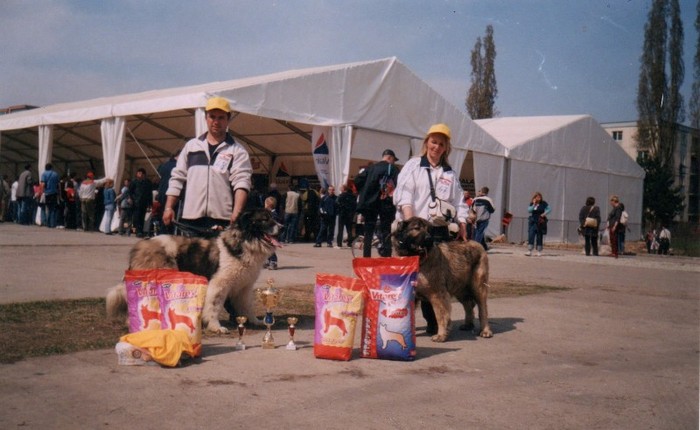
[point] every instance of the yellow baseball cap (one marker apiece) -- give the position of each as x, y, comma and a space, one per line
218, 103
440, 128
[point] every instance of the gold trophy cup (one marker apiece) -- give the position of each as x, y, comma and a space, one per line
269, 297
240, 346
292, 326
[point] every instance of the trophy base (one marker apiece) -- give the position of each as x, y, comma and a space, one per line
268, 345
291, 346
240, 347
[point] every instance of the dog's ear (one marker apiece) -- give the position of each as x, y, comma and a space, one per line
244, 220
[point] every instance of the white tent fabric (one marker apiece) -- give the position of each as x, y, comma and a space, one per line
45, 146
381, 95
113, 140
566, 158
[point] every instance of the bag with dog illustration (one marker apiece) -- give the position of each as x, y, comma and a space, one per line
338, 304
166, 299
182, 297
389, 325
142, 300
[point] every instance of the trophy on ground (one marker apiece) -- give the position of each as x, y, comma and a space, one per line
269, 297
240, 346
292, 326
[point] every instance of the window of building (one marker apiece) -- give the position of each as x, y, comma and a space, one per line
617, 135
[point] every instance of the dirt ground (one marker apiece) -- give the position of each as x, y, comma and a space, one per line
619, 348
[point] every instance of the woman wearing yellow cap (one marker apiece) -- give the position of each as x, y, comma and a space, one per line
429, 177
421, 182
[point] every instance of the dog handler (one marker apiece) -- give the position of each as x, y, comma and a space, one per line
424, 179
215, 171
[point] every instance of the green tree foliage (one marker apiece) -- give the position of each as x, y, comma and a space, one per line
662, 200
481, 97
660, 107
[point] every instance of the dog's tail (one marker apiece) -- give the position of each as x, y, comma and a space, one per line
116, 302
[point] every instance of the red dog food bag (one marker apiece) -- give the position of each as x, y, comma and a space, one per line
142, 300
338, 304
389, 326
182, 297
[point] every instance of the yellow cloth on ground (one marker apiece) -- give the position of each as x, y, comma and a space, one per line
165, 346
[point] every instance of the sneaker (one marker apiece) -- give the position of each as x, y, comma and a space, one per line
330, 245
317, 245
273, 266
528, 253
539, 254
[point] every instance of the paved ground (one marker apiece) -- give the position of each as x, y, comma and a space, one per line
617, 349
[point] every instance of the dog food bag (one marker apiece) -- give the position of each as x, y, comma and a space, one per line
389, 325
142, 300
338, 304
182, 297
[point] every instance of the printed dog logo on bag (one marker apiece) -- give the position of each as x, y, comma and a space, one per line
144, 304
338, 304
393, 324
166, 299
388, 328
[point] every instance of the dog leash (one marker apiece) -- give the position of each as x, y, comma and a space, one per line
190, 230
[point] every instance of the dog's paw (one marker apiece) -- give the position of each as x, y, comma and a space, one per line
217, 330
486, 332
439, 338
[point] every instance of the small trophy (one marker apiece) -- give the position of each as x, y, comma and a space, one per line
269, 297
292, 321
240, 346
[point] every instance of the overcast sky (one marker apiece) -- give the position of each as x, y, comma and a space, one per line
554, 57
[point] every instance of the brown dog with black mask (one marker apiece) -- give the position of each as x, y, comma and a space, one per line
454, 268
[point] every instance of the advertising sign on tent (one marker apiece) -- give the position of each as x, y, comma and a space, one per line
321, 154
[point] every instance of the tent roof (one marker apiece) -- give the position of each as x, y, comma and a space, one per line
276, 113
378, 95
576, 141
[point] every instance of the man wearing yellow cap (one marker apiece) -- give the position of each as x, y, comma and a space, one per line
215, 171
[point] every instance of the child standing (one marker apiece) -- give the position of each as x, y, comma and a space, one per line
110, 200
271, 205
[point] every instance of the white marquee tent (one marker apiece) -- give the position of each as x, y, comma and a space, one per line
366, 107
567, 159
363, 108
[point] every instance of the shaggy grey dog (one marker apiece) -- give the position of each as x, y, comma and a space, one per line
455, 268
231, 262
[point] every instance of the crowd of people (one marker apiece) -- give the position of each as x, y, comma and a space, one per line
205, 186
80, 203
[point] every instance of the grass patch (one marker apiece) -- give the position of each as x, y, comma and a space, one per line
44, 328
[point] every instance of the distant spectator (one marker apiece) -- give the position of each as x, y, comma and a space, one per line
347, 204
164, 172
50, 184
110, 201
142, 194
664, 240
87, 191
4, 197
25, 195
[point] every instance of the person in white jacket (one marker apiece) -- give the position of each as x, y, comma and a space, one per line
413, 195
215, 171
423, 180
